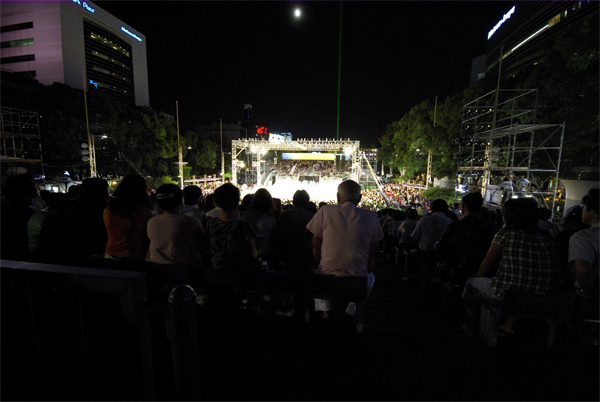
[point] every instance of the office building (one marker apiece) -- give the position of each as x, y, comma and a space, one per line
53, 41
528, 30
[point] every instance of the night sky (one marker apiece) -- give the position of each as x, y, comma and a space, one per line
213, 57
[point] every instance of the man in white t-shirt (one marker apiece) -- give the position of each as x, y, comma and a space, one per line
345, 239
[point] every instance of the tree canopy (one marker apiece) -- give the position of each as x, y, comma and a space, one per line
568, 82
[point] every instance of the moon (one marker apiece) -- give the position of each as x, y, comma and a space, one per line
297, 13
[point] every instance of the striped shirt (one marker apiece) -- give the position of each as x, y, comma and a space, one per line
529, 262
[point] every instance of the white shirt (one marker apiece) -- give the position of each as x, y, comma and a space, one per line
584, 245
347, 232
429, 230
174, 239
215, 213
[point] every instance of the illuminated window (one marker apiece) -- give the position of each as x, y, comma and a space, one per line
108, 72
109, 43
105, 57
15, 43
554, 20
108, 86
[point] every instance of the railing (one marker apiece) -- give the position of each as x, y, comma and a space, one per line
129, 287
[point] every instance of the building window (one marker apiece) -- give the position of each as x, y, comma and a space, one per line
108, 86
15, 43
17, 59
105, 57
28, 74
108, 72
16, 27
109, 43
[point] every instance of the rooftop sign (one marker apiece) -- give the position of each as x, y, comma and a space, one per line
128, 32
85, 5
504, 18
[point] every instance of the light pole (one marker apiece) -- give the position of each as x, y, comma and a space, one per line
222, 154
179, 151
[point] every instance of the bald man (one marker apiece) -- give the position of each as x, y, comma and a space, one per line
345, 240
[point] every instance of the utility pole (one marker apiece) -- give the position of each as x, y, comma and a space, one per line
429, 179
92, 151
222, 154
179, 150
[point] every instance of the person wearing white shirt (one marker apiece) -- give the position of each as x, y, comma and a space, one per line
345, 240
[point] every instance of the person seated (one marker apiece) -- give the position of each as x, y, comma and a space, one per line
232, 240
83, 233
405, 230
293, 239
43, 228
192, 195
125, 219
261, 217
464, 243
520, 258
345, 240
428, 231
18, 205
211, 209
398, 217
583, 262
545, 225
175, 238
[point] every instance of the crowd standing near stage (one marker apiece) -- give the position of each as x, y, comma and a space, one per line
463, 246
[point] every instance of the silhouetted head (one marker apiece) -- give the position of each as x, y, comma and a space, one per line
439, 205
349, 190
169, 197
521, 213
227, 197
301, 198
191, 195
473, 202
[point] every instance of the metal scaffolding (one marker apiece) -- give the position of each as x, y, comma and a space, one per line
505, 153
21, 147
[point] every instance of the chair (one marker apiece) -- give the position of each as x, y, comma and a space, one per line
551, 307
346, 288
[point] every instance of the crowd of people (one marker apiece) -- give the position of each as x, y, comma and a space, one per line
393, 196
465, 247
296, 169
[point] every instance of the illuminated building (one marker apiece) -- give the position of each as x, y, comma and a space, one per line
52, 41
527, 31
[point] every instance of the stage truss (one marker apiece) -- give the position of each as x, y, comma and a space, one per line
257, 149
500, 138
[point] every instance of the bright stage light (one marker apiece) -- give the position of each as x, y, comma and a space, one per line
348, 151
297, 13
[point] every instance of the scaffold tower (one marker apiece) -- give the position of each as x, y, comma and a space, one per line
505, 152
21, 147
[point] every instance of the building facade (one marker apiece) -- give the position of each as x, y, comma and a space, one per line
527, 31
56, 41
